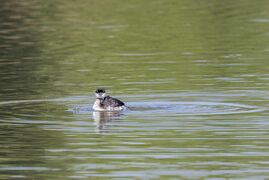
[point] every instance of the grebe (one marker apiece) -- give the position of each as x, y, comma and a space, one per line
106, 103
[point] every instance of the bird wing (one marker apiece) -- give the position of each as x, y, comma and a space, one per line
112, 102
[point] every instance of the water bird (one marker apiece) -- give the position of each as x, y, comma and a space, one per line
107, 103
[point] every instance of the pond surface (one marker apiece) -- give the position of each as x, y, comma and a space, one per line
195, 76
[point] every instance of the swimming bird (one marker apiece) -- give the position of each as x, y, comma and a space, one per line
106, 103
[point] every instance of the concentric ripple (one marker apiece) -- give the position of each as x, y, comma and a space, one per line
191, 108
147, 107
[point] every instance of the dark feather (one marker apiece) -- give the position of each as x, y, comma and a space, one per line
110, 101
100, 90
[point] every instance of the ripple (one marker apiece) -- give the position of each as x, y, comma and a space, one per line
163, 108
192, 108
147, 107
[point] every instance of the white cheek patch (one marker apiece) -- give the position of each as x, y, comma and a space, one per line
100, 95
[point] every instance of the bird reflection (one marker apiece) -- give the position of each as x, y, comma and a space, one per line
102, 118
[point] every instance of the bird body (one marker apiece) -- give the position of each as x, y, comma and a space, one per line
107, 103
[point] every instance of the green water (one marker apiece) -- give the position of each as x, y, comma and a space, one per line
195, 75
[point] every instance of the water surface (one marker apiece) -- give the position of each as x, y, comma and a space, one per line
194, 74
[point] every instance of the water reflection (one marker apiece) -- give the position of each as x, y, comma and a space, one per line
102, 118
